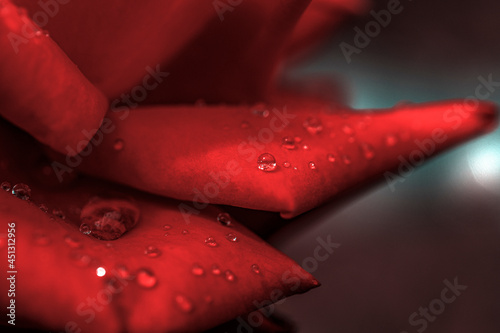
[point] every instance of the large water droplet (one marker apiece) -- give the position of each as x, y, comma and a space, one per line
232, 237
313, 125
118, 145
152, 251
229, 276
391, 140
266, 162
312, 165
22, 191
109, 219
197, 270
210, 241
215, 269
224, 219
368, 151
184, 304
331, 158
85, 229
146, 278
5, 186
256, 269
288, 142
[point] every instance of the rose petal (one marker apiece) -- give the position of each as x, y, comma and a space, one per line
41, 90
56, 287
210, 154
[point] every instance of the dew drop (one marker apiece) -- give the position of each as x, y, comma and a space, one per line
152, 251
22, 191
100, 271
286, 164
210, 241
295, 168
71, 242
231, 237
184, 304
298, 139
85, 229
167, 227
224, 219
118, 145
109, 219
215, 270
266, 162
368, 151
5, 186
331, 158
288, 142
313, 125
197, 270
346, 159
229, 276
260, 110
256, 269
146, 279
306, 147
312, 165
391, 140
58, 213
185, 232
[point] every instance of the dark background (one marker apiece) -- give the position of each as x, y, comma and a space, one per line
443, 222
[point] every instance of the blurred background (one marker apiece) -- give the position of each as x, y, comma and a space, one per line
398, 247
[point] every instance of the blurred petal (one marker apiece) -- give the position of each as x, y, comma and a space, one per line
176, 290
41, 90
113, 42
211, 154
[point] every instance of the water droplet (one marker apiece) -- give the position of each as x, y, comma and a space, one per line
313, 125
146, 279
260, 110
152, 251
109, 219
58, 213
185, 232
167, 227
43, 208
368, 151
22, 191
85, 229
298, 139
71, 242
229, 276
245, 124
266, 162
5, 186
41, 239
346, 159
100, 271
312, 165
391, 140
256, 269
295, 168
224, 219
123, 272
348, 130
81, 260
184, 304
210, 241
166, 234
118, 145
231, 237
288, 142
286, 164
331, 158
215, 270
197, 270
305, 147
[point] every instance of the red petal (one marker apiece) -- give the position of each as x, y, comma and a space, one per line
55, 286
210, 154
41, 90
